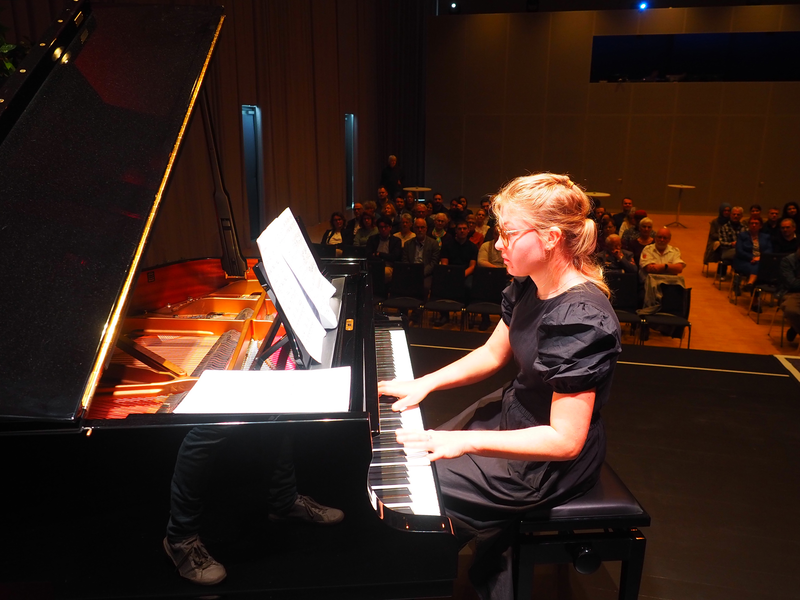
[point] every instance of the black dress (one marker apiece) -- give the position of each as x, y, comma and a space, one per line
565, 344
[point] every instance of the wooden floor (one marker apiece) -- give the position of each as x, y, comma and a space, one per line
717, 324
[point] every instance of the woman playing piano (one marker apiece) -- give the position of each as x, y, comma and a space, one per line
540, 440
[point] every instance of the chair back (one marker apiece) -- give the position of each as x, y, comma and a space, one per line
354, 251
769, 268
675, 300
325, 250
488, 285
447, 283
408, 281
624, 290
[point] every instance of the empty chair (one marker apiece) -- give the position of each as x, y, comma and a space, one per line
675, 305
625, 297
487, 291
407, 290
448, 292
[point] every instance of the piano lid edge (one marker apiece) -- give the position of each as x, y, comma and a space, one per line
112, 327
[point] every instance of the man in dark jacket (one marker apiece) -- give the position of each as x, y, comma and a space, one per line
384, 246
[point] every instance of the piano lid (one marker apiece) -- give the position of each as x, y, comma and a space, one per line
82, 171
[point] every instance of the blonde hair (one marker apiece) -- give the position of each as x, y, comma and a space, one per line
550, 200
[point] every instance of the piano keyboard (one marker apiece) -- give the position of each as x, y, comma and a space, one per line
401, 479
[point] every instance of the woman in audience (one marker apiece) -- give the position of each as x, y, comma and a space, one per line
791, 210
389, 211
749, 248
475, 236
608, 228
540, 440
333, 236
645, 238
627, 223
367, 229
405, 234
481, 225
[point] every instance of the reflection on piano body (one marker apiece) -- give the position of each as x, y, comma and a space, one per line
101, 370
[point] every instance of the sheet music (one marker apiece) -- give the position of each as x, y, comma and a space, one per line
269, 392
302, 291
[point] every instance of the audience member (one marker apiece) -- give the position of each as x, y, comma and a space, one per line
421, 212
385, 246
366, 229
627, 205
607, 230
791, 210
390, 212
486, 204
772, 226
613, 259
335, 235
631, 233
405, 234
790, 292
392, 177
660, 263
371, 207
755, 211
353, 224
400, 205
749, 248
422, 249
438, 204
475, 236
459, 251
488, 254
627, 223
598, 212
481, 222
713, 251
439, 231
787, 239
645, 239
383, 196
454, 215
411, 200
728, 234
462, 202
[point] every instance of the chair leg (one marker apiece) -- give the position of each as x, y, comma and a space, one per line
630, 579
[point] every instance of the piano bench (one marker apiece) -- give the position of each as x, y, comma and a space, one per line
568, 534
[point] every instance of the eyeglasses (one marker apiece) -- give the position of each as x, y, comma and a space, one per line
505, 234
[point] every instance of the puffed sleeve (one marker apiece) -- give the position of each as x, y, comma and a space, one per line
578, 347
511, 294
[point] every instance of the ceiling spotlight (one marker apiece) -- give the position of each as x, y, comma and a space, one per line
454, 8
642, 5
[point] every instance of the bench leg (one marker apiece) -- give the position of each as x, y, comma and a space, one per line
631, 574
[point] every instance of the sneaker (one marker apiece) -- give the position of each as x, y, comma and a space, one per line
194, 562
309, 510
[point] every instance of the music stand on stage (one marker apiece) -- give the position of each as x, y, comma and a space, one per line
680, 187
417, 190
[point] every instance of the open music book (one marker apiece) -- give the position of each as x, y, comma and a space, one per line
302, 291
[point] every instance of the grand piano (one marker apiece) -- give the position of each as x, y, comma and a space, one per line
97, 352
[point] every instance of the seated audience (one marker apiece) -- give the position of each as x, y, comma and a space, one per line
385, 246
488, 254
371, 208
420, 211
475, 236
627, 223
627, 205
366, 229
352, 225
660, 263
786, 241
458, 251
334, 235
755, 211
644, 239
713, 251
422, 249
400, 206
772, 226
790, 292
791, 210
728, 234
390, 212
613, 259
631, 233
439, 231
608, 229
749, 248
481, 222
438, 204
405, 234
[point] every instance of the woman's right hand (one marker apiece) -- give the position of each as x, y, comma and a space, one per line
408, 393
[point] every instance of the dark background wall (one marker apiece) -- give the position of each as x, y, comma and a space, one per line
510, 93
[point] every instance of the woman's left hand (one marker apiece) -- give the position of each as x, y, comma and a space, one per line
439, 444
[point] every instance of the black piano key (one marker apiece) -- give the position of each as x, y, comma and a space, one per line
405, 499
397, 480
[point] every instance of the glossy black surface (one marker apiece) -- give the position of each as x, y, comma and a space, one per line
79, 173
